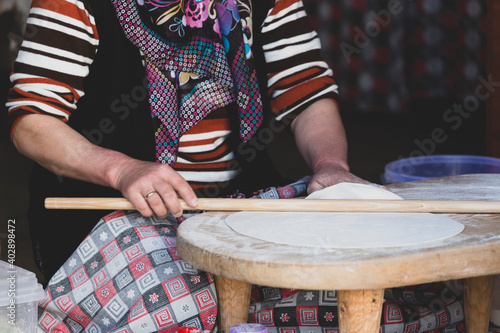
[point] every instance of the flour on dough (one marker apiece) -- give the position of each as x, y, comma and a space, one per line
345, 230
353, 191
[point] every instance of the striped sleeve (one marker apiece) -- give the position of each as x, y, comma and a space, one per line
297, 74
59, 45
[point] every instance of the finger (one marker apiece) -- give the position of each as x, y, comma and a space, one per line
156, 203
169, 199
182, 187
313, 187
358, 180
140, 204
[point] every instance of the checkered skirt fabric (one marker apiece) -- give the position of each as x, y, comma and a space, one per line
126, 276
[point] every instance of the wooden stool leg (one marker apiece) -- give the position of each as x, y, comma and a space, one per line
477, 303
234, 301
360, 311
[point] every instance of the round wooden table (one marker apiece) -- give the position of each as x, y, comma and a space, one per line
358, 275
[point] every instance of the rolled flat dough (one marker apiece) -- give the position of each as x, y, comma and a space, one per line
354, 191
345, 230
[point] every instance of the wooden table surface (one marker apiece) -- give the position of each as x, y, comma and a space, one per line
209, 244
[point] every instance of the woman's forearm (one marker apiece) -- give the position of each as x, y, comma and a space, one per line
65, 152
320, 135
60, 149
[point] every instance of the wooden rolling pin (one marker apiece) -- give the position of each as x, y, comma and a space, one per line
295, 205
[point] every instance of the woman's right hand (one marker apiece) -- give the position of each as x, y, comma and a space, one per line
153, 188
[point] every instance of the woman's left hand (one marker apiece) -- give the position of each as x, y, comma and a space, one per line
328, 175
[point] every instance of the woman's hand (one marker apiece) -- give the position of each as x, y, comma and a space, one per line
154, 188
331, 174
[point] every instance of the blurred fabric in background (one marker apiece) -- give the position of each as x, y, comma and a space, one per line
389, 53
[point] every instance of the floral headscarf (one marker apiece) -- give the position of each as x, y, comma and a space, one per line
197, 59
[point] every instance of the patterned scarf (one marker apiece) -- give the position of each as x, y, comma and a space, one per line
197, 59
